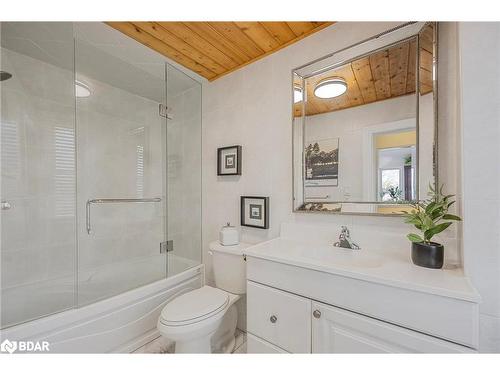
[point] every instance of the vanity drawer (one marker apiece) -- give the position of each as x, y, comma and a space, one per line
281, 318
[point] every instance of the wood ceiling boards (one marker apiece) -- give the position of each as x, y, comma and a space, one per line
213, 49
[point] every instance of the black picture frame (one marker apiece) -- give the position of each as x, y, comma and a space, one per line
265, 205
220, 150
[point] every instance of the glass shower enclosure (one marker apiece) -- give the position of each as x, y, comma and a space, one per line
100, 170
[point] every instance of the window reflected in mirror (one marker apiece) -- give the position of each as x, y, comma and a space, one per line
396, 155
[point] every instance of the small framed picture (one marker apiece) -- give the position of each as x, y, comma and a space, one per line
322, 162
255, 212
229, 161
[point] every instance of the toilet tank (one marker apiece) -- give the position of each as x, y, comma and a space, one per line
229, 267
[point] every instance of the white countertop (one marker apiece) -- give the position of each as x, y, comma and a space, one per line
379, 266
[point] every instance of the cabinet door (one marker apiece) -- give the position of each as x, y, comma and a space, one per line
280, 318
336, 330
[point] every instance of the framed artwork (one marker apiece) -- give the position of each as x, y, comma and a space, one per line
229, 161
255, 212
321, 159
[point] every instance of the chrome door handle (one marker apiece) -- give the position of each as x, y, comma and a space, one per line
273, 319
5, 205
317, 314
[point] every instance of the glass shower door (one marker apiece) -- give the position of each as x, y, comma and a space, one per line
183, 167
121, 174
38, 176
100, 168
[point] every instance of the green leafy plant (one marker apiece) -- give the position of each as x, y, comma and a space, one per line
394, 193
431, 215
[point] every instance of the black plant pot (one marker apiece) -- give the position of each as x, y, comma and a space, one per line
429, 255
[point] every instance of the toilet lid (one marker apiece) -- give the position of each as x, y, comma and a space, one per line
195, 305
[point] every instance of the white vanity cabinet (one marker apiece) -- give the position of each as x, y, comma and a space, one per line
303, 299
282, 322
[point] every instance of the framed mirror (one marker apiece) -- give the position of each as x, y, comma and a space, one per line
365, 124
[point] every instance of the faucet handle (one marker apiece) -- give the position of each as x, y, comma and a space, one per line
344, 230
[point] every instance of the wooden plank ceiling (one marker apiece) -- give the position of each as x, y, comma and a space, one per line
213, 49
382, 75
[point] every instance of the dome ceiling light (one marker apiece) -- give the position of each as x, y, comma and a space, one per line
330, 88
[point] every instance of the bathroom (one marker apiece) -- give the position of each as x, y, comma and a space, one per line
249, 187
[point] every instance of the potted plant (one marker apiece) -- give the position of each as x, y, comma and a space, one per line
430, 217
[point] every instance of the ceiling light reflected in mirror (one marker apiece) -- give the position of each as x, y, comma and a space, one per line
82, 90
330, 88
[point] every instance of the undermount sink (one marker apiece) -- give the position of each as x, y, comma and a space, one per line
343, 257
320, 254
360, 260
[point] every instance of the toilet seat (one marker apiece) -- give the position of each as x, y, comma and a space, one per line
194, 306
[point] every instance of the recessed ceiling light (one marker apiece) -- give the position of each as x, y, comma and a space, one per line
82, 90
297, 94
330, 88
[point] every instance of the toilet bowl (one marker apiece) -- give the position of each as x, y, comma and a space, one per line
204, 320
192, 319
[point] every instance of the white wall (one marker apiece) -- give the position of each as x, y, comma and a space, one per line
479, 45
252, 107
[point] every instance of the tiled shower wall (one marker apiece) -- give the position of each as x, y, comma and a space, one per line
38, 172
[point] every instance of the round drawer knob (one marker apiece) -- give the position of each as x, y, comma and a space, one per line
317, 314
273, 319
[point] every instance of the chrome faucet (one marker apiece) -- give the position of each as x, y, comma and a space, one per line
345, 240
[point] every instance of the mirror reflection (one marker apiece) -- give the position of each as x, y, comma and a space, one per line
363, 134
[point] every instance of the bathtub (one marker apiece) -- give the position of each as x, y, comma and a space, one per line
119, 324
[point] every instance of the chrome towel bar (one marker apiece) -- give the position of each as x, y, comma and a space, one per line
115, 200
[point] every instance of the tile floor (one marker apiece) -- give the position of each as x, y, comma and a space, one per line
163, 346
240, 347
159, 345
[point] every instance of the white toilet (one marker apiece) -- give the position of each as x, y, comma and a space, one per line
204, 320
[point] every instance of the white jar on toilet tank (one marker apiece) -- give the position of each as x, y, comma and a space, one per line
229, 236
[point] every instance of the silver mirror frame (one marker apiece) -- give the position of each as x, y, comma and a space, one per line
345, 55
